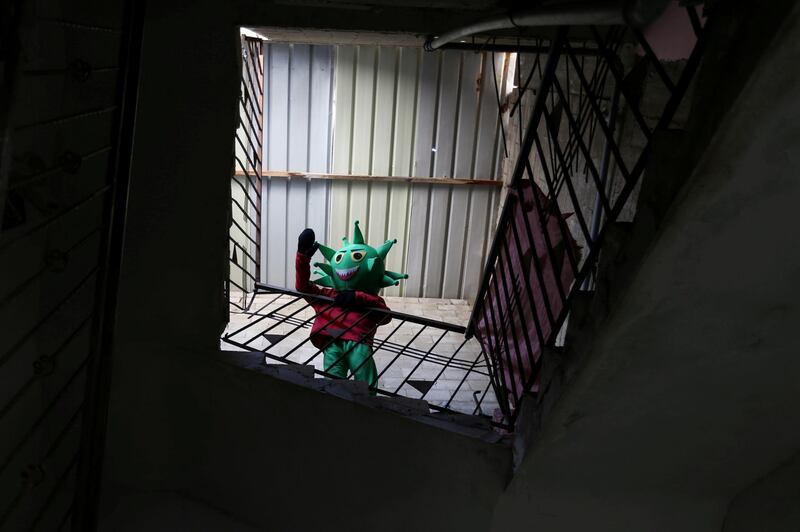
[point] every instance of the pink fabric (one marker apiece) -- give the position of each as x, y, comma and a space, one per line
510, 331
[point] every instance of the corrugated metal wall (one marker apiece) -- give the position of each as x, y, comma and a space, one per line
396, 111
297, 114
457, 135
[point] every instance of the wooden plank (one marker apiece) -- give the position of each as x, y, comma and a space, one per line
342, 142
311, 176
468, 106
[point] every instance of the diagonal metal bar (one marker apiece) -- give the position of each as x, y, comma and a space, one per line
592, 99
586, 153
398, 354
567, 179
445, 366
421, 360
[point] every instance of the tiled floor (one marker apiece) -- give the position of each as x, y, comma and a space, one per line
410, 358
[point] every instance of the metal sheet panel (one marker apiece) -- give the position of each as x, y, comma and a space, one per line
458, 133
297, 123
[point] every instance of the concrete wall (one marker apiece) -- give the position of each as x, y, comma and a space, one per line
281, 457
771, 503
683, 399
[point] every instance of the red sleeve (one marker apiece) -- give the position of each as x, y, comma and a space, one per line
366, 299
302, 274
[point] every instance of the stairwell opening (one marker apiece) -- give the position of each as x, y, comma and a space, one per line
500, 168
337, 128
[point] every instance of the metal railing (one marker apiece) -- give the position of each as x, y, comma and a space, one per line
63, 192
244, 239
415, 357
581, 157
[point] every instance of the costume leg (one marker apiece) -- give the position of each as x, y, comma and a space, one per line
361, 355
334, 353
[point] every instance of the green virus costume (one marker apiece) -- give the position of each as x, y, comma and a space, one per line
353, 276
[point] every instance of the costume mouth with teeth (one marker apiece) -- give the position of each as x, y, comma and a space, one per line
347, 274
356, 266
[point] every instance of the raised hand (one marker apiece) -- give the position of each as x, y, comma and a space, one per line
306, 243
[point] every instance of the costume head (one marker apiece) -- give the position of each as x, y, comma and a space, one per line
356, 266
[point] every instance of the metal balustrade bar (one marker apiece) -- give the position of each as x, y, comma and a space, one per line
245, 232
414, 349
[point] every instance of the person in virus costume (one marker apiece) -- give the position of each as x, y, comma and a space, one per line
353, 276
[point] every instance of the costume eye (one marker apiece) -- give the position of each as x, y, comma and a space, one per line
338, 258
357, 256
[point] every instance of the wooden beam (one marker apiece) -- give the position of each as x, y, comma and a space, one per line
380, 178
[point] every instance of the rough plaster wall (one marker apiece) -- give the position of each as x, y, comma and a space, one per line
771, 503
628, 134
683, 401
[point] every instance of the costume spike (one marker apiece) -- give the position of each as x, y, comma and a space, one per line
356, 265
371, 263
325, 267
396, 276
388, 281
327, 252
358, 238
384, 248
325, 280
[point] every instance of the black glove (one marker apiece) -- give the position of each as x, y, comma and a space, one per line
345, 298
306, 243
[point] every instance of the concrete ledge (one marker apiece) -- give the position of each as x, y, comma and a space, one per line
357, 392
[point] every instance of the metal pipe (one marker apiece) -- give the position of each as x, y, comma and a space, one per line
637, 13
518, 48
